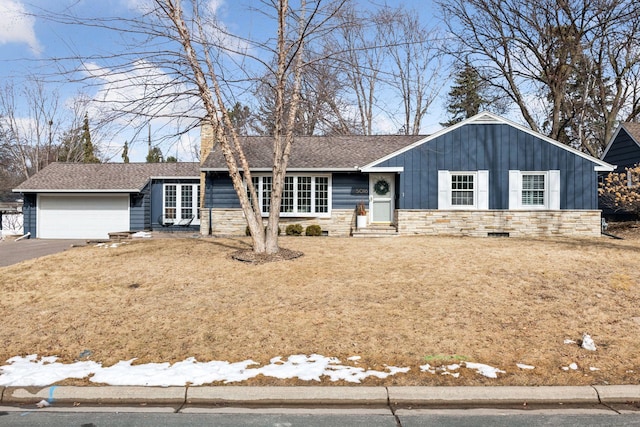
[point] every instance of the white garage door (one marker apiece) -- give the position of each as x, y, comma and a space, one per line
82, 216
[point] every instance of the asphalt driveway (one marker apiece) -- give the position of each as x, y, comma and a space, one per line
12, 252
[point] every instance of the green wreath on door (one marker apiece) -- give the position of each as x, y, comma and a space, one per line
381, 187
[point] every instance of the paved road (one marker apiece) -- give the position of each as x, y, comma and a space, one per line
12, 252
322, 418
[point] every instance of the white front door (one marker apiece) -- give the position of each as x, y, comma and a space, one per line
382, 196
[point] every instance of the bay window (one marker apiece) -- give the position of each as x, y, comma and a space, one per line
302, 195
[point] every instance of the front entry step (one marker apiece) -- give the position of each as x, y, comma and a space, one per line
376, 230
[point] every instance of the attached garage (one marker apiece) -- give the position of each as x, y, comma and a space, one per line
91, 200
81, 216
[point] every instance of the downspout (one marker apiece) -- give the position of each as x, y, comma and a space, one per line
210, 223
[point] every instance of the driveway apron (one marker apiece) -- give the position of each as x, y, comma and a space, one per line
13, 252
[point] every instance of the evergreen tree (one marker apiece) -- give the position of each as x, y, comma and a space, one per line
125, 153
172, 159
88, 149
466, 97
240, 117
155, 155
71, 149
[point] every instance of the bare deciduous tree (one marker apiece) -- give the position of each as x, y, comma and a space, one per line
361, 61
417, 64
550, 57
182, 64
29, 119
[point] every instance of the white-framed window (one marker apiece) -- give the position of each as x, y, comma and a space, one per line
463, 189
302, 195
534, 189
181, 201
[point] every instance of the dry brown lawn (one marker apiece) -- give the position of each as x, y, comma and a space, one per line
392, 301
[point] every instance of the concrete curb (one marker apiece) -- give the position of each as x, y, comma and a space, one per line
611, 394
371, 397
491, 396
289, 396
68, 395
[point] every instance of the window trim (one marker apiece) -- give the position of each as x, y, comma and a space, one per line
480, 190
551, 190
545, 190
474, 205
312, 196
195, 202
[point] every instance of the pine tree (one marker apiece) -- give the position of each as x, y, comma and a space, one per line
125, 152
88, 149
155, 155
466, 96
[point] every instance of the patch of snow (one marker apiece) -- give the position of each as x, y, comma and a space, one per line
354, 358
141, 235
591, 368
568, 341
587, 343
427, 368
523, 366
486, 370
573, 367
31, 371
110, 245
397, 370
43, 404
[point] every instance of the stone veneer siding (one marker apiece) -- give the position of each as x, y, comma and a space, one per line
231, 222
582, 223
579, 223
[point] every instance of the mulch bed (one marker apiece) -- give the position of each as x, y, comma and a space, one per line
254, 258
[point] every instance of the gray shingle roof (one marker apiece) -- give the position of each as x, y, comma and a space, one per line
633, 129
104, 176
317, 152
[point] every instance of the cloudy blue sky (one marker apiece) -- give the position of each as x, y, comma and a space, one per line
28, 43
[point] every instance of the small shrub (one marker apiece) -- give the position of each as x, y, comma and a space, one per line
294, 230
313, 230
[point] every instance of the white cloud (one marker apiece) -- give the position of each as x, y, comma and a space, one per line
145, 6
16, 26
215, 5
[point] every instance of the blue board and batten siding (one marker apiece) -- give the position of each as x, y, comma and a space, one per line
139, 212
624, 152
497, 148
29, 211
